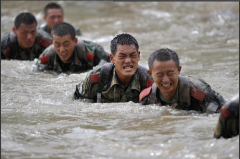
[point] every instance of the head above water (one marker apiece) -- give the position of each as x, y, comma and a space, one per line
26, 18
164, 69
123, 39
163, 55
25, 27
125, 55
64, 41
62, 29
51, 5
53, 14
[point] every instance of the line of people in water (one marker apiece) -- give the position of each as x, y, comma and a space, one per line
115, 76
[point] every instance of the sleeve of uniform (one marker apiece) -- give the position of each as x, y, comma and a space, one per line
3, 45
88, 87
228, 122
100, 55
43, 60
209, 100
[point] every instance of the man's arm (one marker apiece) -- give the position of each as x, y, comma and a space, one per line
228, 122
88, 87
45, 58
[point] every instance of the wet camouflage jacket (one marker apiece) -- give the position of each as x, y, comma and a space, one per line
10, 48
86, 55
112, 91
192, 94
46, 29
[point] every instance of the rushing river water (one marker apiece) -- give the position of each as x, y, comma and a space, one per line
39, 119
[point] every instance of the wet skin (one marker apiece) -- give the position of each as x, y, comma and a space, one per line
126, 62
53, 17
26, 35
165, 75
64, 46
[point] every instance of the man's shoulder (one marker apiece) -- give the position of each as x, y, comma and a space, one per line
199, 88
5, 36
48, 54
101, 73
43, 38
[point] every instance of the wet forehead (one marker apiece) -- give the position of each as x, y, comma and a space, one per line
126, 49
163, 65
27, 27
62, 39
54, 11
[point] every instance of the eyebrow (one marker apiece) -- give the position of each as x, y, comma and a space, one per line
125, 54
63, 42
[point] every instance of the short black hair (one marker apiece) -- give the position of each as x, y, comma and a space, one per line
62, 29
123, 39
51, 5
26, 18
163, 55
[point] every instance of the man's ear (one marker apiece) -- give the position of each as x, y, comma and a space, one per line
76, 40
14, 29
44, 17
138, 55
149, 73
111, 58
179, 69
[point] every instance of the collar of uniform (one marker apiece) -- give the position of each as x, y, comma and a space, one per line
134, 84
175, 99
75, 60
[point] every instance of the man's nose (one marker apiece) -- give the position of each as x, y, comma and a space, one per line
128, 59
165, 78
62, 49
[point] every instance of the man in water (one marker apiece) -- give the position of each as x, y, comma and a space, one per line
182, 92
25, 42
53, 14
70, 54
119, 81
228, 122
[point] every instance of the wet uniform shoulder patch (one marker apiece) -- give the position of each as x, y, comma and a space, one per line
149, 82
90, 56
44, 59
199, 95
94, 78
6, 52
43, 42
144, 93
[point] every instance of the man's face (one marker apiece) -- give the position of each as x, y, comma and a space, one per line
64, 46
126, 61
165, 75
53, 17
26, 34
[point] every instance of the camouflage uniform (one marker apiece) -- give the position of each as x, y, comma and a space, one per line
10, 48
192, 94
111, 90
47, 29
228, 122
86, 55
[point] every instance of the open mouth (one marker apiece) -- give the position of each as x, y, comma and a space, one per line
166, 85
127, 68
63, 54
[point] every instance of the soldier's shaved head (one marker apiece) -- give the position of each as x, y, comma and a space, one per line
26, 18
163, 55
62, 29
123, 39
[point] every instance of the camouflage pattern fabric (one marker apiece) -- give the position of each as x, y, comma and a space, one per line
83, 60
200, 96
112, 92
10, 48
228, 122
